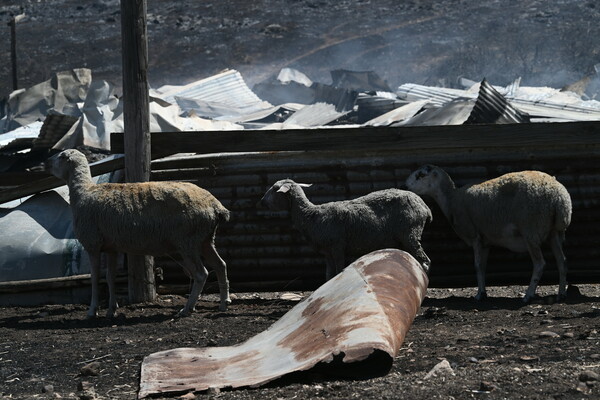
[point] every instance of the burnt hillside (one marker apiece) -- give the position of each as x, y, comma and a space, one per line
420, 41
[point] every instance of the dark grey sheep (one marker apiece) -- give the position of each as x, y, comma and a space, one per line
389, 218
151, 218
518, 211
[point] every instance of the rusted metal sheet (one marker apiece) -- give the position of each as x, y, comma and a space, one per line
365, 310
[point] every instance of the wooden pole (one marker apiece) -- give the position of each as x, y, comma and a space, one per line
13, 49
137, 130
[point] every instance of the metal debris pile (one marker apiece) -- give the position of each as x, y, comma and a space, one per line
73, 110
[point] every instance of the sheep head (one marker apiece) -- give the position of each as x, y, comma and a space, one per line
277, 198
62, 164
425, 180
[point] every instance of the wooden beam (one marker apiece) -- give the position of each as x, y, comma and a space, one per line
52, 182
136, 112
46, 283
374, 138
401, 139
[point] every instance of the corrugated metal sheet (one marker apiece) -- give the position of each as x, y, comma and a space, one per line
263, 250
318, 114
227, 88
538, 108
492, 107
364, 312
54, 128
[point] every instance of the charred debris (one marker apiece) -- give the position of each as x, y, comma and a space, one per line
71, 110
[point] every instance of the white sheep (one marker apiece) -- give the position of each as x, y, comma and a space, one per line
389, 218
151, 218
518, 211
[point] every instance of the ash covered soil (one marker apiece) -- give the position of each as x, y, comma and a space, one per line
547, 43
494, 348
497, 349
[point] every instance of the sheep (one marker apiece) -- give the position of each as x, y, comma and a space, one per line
382, 219
518, 211
149, 218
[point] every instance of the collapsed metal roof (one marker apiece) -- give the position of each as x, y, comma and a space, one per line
492, 107
362, 314
227, 89
541, 104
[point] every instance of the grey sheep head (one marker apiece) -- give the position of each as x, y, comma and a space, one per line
424, 180
277, 198
63, 163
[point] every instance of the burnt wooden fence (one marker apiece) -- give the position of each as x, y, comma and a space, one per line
263, 251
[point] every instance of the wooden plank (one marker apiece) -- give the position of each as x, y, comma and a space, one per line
546, 135
47, 283
20, 177
52, 182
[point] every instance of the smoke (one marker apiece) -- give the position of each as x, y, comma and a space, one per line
416, 41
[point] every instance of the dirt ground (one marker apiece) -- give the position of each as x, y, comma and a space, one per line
497, 349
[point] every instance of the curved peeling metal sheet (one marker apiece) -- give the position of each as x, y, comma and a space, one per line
365, 310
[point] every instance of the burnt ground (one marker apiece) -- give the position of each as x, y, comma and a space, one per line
494, 346
497, 349
547, 43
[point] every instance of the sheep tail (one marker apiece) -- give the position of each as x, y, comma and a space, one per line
223, 214
429, 215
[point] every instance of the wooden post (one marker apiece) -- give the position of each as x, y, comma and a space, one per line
137, 129
13, 48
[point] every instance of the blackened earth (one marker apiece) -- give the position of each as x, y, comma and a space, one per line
547, 43
497, 349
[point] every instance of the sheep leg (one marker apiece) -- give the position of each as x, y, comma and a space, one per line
556, 242
195, 268
336, 261
538, 268
329, 266
481, 253
111, 270
413, 246
94, 272
214, 260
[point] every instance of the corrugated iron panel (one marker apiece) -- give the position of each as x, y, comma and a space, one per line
539, 108
263, 246
361, 316
228, 88
318, 114
54, 128
492, 107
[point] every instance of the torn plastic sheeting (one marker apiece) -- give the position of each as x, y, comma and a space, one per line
59, 92
38, 241
363, 312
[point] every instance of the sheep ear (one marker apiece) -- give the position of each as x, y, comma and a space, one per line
305, 184
284, 188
